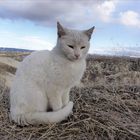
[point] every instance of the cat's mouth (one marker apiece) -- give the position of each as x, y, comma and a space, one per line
77, 58
74, 58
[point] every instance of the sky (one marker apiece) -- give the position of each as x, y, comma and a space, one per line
31, 24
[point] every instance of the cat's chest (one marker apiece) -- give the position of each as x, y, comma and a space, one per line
66, 74
72, 71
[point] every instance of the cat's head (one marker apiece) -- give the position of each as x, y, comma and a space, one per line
74, 44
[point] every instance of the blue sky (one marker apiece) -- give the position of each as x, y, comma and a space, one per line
31, 24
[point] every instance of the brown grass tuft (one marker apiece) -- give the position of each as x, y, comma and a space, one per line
104, 109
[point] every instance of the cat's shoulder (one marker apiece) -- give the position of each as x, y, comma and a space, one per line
35, 59
42, 53
38, 56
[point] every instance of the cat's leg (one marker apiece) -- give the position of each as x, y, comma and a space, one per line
29, 100
65, 97
55, 101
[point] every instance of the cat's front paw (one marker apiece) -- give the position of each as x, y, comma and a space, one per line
70, 104
65, 99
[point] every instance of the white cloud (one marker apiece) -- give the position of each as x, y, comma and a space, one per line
130, 18
48, 12
23, 42
106, 9
37, 43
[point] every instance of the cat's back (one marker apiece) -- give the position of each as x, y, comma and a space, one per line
34, 63
37, 57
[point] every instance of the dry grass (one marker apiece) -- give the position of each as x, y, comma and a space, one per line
107, 111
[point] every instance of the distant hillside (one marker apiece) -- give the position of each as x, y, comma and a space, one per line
2, 49
130, 52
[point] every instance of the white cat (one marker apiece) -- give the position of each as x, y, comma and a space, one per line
44, 78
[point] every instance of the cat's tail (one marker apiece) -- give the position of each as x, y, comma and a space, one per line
44, 117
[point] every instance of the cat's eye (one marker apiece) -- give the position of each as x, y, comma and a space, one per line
70, 46
82, 47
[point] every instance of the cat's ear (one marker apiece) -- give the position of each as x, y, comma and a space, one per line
60, 30
89, 32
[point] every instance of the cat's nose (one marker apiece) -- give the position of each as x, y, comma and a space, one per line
77, 55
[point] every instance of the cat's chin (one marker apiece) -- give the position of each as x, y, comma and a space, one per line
73, 59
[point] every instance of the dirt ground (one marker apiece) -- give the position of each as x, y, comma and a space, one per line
106, 107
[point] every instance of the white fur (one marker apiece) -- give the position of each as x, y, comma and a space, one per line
43, 80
